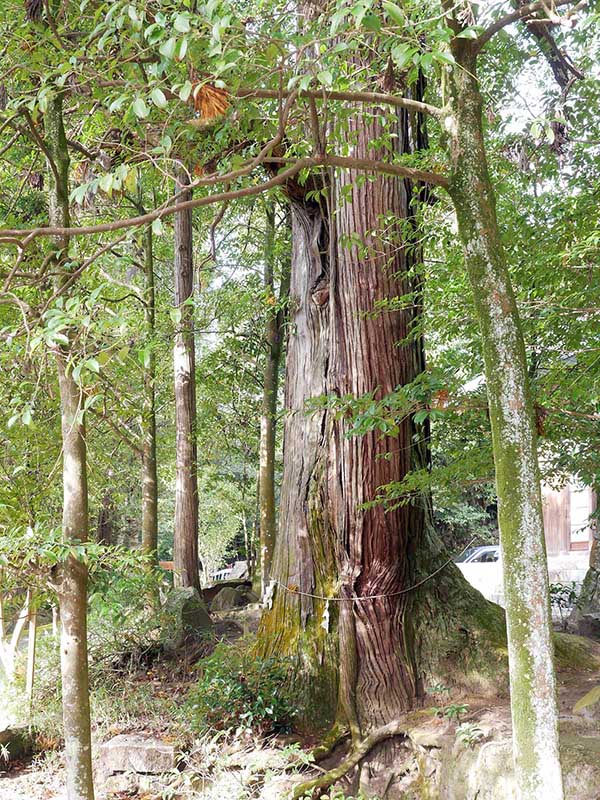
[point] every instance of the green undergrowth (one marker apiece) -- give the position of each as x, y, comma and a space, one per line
236, 689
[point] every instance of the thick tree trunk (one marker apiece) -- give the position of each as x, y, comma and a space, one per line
185, 538
273, 342
73, 575
298, 624
532, 678
149, 476
342, 600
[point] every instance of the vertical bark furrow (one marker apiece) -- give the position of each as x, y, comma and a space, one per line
369, 355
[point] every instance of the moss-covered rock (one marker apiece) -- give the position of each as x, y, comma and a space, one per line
486, 772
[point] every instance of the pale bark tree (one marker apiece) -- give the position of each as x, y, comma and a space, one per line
72, 579
529, 623
185, 538
585, 618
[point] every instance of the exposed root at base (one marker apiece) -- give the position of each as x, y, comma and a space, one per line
335, 736
396, 728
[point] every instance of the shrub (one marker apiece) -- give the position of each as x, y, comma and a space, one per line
238, 690
563, 597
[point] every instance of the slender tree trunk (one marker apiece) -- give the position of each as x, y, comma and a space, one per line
274, 331
73, 595
104, 531
532, 678
73, 577
149, 475
185, 544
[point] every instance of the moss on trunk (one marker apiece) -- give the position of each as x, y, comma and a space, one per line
532, 679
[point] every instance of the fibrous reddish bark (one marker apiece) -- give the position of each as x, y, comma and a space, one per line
363, 658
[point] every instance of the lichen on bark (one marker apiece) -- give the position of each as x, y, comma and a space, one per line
531, 666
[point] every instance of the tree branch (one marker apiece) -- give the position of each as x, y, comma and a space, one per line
375, 98
27, 236
563, 69
521, 13
123, 433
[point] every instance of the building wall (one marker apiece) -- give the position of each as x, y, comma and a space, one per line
566, 518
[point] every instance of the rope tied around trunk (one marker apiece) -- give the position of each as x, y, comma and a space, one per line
357, 598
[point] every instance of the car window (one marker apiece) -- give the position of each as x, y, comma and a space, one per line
490, 556
466, 556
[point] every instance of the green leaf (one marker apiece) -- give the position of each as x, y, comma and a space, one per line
106, 182
402, 54
443, 57
185, 91
167, 49
589, 699
182, 49
117, 103
371, 22
140, 109
182, 23
93, 365
158, 98
536, 130
157, 227
468, 33
325, 77
144, 357
394, 12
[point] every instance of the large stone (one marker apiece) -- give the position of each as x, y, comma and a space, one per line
231, 597
134, 753
486, 771
187, 617
589, 625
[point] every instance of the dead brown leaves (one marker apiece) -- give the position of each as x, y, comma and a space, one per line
210, 103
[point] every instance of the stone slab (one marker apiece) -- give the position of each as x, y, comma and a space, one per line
130, 752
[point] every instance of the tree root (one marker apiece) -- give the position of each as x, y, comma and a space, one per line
336, 735
396, 728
